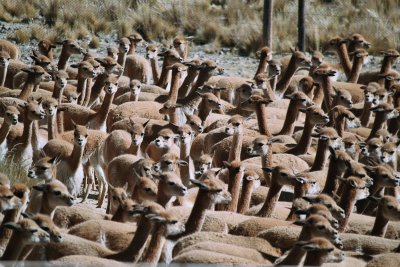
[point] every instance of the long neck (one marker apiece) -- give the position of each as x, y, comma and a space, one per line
58, 93
235, 180
132, 49
173, 93
236, 148
266, 162
156, 245
318, 95
60, 121
305, 140
198, 214
331, 183
291, 115
76, 157
344, 59
27, 133
355, 70
245, 197
15, 248
134, 98
89, 85
380, 225
340, 122
133, 251
189, 79
163, 81
119, 215
4, 130
97, 87
386, 65
284, 82
328, 92
46, 207
3, 75
262, 66
155, 68
204, 110
315, 258
346, 202
162, 198
5, 233
202, 79
133, 149
52, 127
261, 113
27, 89
321, 156
378, 124
102, 113
122, 59
63, 60
81, 89
296, 254
184, 170
272, 197
366, 114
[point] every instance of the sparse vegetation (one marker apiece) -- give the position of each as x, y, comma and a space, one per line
15, 172
236, 24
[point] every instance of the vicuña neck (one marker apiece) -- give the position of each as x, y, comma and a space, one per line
122, 59
187, 83
356, 70
133, 251
198, 214
380, 225
81, 89
184, 170
173, 93
305, 140
378, 123
27, 89
63, 60
155, 68
366, 114
346, 202
3, 75
156, 244
10, 216
290, 119
97, 87
163, 81
321, 156
284, 82
4, 131
344, 59
332, 183
261, 113
245, 197
52, 127
272, 197
236, 148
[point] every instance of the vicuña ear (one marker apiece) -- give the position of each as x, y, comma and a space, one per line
226, 164
12, 226
41, 187
268, 169
182, 162
200, 184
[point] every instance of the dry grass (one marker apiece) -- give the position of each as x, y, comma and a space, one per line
15, 172
238, 24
